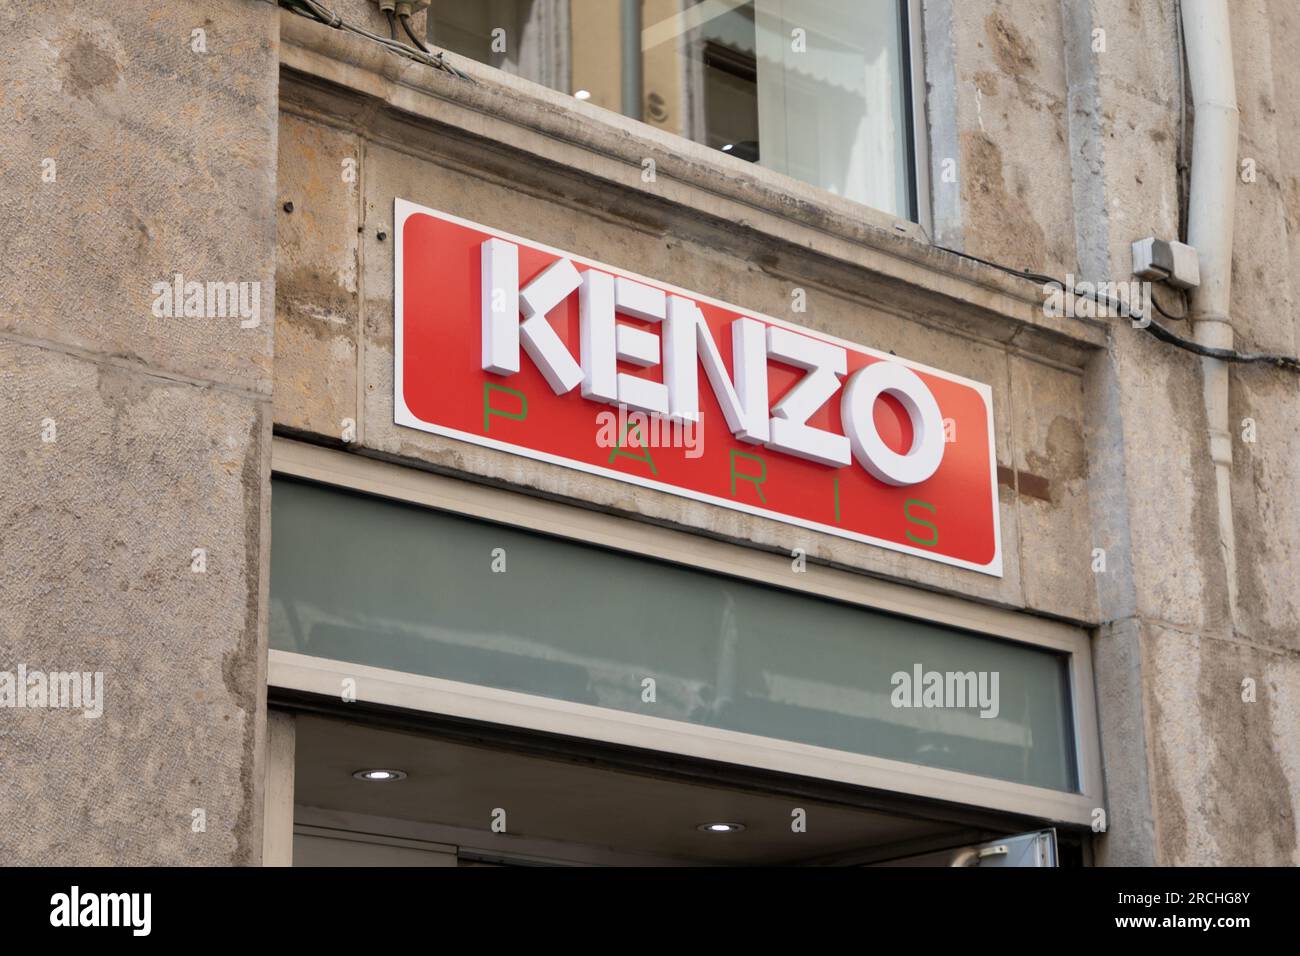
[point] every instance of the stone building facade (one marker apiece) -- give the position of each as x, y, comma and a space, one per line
237, 141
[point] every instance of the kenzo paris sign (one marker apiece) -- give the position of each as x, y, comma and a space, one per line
516, 346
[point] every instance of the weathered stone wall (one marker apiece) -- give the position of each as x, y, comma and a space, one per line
1069, 127
169, 160
135, 149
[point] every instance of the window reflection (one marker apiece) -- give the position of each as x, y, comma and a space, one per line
815, 89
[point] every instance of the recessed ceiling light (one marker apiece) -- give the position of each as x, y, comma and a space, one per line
380, 775
582, 95
721, 827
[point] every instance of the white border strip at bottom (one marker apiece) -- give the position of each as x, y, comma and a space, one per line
375, 685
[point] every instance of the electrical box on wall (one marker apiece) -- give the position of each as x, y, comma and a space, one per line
1161, 260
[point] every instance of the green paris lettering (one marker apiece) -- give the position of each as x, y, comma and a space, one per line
489, 411
618, 449
755, 480
933, 539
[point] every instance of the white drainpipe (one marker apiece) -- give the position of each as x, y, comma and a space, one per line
1210, 212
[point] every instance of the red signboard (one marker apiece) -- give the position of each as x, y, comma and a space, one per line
513, 345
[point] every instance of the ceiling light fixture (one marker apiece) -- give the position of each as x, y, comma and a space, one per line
378, 776
582, 95
721, 827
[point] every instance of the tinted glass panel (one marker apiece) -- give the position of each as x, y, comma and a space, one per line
371, 581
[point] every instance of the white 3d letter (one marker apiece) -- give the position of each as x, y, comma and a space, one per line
857, 409
825, 363
556, 283
744, 406
639, 347
500, 306
599, 363
681, 374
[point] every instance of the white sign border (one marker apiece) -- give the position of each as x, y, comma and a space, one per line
402, 415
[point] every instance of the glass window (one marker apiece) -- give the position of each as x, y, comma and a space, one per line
816, 89
372, 581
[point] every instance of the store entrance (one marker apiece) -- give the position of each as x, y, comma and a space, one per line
465, 795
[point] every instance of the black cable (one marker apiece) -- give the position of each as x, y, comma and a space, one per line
1159, 308
1226, 355
314, 11
406, 25
1289, 362
327, 17
392, 24
442, 64
1035, 276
